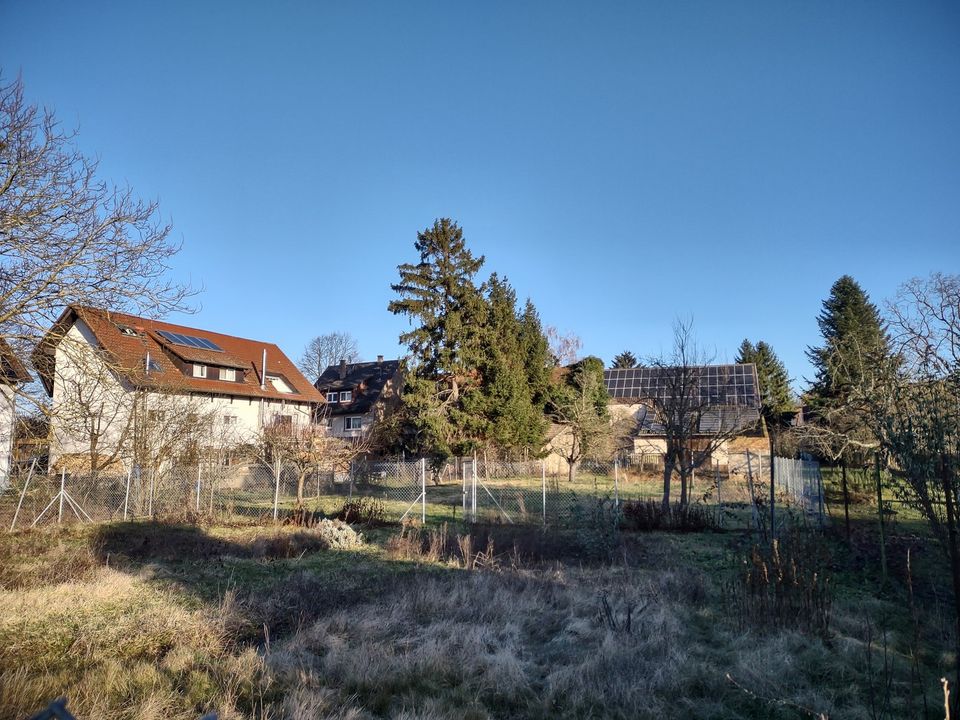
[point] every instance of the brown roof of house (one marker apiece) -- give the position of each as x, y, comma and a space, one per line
130, 354
11, 369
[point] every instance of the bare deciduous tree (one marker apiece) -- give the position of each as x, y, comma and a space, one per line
68, 237
681, 405
919, 416
326, 350
302, 448
565, 347
579, 406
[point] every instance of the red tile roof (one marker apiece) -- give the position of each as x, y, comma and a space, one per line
11, 369
130, 354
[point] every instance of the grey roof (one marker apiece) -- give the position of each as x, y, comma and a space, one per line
719, 384
373, 376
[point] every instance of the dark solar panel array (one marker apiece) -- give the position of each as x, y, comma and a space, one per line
718, 384
189, 340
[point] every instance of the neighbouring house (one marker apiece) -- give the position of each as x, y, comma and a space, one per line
122, 386
12, 373
358, 395
728, 402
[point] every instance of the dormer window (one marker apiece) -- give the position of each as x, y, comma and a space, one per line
153, 365
228, 374
127, 330
332, 397
199, 371
346, 396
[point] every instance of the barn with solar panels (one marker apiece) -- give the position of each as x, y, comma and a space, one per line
727, 400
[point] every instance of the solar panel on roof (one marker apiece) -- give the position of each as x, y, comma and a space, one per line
189, 340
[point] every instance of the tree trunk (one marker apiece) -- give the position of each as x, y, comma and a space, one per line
773, 496
301, 480
571, 470
667, 477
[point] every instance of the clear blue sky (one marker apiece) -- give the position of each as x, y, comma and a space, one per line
621, 163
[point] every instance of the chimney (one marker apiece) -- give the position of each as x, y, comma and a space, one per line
343, 369
379, 359
263, 371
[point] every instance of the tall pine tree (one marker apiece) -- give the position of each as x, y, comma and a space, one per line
624, 360
447, 312
853, 338
855, 348
478, 371
775, 396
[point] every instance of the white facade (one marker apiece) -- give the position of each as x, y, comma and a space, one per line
7, 419
93, 404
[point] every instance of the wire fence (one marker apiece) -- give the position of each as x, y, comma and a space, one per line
463, 489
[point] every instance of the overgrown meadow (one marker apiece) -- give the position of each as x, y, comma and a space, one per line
606, 618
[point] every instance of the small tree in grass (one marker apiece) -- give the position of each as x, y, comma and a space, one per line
579, 405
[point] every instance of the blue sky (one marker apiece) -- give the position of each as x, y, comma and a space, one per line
622, 163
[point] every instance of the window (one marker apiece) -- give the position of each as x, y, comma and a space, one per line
153, 365
332, 397
127, 330
330, 423
228, 374
352, 423
155, 415
229, 419
346, 396
200, 371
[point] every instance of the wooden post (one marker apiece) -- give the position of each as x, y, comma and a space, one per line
126, 495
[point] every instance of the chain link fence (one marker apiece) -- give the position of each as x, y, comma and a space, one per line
472, 489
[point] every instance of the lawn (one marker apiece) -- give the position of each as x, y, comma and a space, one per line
165, 620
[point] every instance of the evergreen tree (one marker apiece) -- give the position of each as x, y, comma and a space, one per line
853, 338
775, 396
446, 308
855, 349
624, 360
478, 372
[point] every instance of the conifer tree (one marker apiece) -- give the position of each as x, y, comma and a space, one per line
775, 396
447, 312
853, 338
624, 360
855, 349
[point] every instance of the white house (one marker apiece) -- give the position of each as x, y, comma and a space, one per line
12, 373
116, 380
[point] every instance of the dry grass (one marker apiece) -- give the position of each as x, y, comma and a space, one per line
256, 623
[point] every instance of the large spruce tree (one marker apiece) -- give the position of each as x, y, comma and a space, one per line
478, 370
855, 348
447, 312
853, 338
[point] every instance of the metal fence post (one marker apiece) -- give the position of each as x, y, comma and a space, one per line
198, 487
63, 482
473, 501
423, 490
463, 475
22, 494
276, 489
126, 495
543, 482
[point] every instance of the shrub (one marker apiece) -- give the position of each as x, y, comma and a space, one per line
362, 511
647, 515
